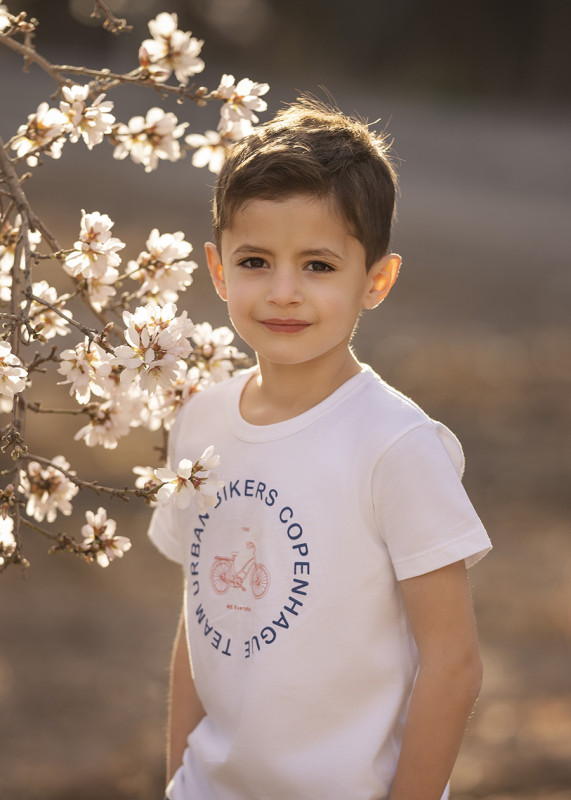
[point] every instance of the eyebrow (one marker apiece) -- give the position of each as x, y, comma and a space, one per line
318, 252
322, 252
249, 248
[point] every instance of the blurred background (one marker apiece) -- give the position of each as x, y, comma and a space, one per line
477, 98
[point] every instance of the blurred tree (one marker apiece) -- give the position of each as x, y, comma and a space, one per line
477, 47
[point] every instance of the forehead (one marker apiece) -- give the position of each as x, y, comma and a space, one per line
296, 217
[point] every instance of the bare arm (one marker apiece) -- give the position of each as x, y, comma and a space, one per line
185, 708
439, 607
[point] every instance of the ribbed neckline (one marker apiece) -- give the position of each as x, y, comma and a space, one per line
279, 430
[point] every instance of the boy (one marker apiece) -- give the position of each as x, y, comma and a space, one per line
327, 609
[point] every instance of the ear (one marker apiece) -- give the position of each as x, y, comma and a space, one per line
216, 269
382, 276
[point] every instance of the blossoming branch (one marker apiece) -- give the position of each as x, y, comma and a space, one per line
141, 357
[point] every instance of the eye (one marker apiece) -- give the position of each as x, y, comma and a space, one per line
253, 263
319, 266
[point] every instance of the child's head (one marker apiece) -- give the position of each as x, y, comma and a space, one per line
309, 149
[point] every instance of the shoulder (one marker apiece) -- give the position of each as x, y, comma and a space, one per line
387, 417
385, 410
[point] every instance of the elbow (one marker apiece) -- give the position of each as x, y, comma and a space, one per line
461, 674
466, 673
474, 675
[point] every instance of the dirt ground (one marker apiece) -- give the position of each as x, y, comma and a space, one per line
478, 332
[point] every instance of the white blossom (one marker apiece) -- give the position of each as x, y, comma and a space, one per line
190, 482
6, 404
7, 540
162, 405
9, 235
213, 353
96, 250
86, 367
46, 128
100, 540
8, 240
146, 480
91, 122
12, 374
170, 50
5, 283
156, 340
148, 139
210, 149
101, 289
48, 490
234, 129
5, 21
242, 101
47, 321
111, 420
176, 485
162, 269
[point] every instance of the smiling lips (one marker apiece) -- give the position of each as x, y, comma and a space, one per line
285, 325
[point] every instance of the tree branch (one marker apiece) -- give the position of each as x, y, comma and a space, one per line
94, 486
40, 359
30, 54
20, 199
48, 534
91, 334
37, 408
138, 77
107, 80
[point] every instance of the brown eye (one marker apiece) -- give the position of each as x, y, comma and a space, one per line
253, 263
319, 266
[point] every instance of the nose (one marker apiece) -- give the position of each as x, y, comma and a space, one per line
283, 287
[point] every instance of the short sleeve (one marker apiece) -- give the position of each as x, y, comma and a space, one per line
421, 508
164, 530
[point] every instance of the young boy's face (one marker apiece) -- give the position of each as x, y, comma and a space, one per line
295, 279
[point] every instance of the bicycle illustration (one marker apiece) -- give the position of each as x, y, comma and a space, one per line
223, 574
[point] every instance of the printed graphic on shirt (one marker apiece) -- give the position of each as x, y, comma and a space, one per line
223, 574
239, 602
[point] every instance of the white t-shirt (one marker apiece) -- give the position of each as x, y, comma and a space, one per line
300, 644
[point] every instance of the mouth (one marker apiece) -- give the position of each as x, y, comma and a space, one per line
285, 325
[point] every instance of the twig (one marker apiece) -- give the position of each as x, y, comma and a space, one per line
58, 254
96, 487
40, 359
20, 199
91, 334
32, 526
38, 409
30, 54
112, 23
8, 211
14, 296
24, 233
137, 77
35, 151
108, 80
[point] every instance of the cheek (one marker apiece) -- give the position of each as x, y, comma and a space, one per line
344, 305
240, 313
238, 303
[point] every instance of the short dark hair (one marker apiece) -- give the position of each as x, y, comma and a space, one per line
310, 148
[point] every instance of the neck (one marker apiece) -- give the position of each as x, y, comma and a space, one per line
283, 391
